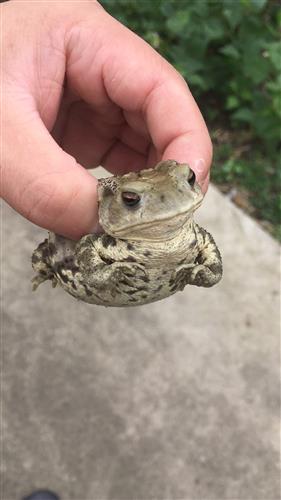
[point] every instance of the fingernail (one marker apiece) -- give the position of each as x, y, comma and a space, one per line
200, 165
200, 170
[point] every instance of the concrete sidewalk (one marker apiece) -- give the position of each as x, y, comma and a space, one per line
178, 400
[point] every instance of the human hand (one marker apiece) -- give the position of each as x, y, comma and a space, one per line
80, 90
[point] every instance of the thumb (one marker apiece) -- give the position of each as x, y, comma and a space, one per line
41, 181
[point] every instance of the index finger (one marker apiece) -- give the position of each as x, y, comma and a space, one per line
131, 74
176, 125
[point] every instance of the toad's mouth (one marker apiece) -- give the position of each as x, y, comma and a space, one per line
151, 230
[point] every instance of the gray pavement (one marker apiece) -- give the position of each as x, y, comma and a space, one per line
178, 400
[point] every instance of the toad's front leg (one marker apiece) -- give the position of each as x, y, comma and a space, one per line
206, 270
100, 271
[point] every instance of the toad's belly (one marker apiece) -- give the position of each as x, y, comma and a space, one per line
132, 290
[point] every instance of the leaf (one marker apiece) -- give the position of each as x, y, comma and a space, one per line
197, 81
153, 39
274, 54
232, 102
255, 65
276, 102
178, 22
231, 51
243, 115
259, 4
214, 29
233, 13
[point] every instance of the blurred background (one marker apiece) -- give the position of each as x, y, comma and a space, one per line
229, 52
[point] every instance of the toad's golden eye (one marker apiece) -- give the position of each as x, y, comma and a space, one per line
130, 199
191, 178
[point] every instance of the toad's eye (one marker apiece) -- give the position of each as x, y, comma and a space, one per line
130, 199
191, 178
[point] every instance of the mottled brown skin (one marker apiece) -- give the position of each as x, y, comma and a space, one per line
150, 247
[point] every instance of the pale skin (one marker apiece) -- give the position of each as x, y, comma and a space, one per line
80, 90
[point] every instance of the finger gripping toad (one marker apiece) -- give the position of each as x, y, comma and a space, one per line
150, 246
